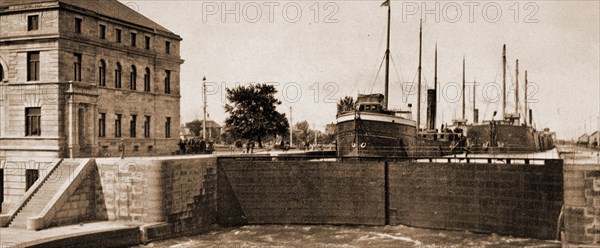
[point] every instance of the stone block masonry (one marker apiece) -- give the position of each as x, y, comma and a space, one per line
582, 205
179, 192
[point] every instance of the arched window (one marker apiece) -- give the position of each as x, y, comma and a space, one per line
102, 73
118, 72
1, 73
132, 78
147, 80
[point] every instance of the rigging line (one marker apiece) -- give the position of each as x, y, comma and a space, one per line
381, 42
378, 71
399, 78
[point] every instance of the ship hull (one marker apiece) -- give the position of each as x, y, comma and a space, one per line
435, 148
508, 139
375, 135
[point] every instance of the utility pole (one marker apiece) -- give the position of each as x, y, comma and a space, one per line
204, 97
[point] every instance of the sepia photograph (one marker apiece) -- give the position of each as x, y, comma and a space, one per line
299, 123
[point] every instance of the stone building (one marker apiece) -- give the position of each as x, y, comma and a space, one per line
81, 78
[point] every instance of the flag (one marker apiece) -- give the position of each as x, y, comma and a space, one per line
386, 3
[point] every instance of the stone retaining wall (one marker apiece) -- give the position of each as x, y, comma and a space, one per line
582, 205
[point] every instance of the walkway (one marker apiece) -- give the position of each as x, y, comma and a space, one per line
14, 237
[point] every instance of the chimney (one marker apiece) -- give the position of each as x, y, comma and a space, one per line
431, 109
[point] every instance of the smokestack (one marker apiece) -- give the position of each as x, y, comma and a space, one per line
475, 112
431, 109
530, 117
503, 81
526, 100
432, 99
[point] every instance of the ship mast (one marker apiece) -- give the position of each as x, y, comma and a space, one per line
435, 81
205, 105
419, 84
504, 81
525, 100
463, 90
517, 92
387, 58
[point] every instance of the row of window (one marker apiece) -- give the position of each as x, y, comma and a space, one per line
33, 73
33, 23
33, 124
132, 126
132, 77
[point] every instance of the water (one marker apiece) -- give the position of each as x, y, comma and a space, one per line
345, 236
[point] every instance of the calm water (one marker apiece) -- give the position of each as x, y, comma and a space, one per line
340, 236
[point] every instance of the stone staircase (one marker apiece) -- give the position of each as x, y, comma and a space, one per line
44, 194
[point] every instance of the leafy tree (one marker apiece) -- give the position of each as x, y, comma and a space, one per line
345, 104
195, 127
253, 113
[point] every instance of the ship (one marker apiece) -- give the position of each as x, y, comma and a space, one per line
368, 128
432, 142
509, 134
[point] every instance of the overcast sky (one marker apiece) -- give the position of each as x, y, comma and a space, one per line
334, 49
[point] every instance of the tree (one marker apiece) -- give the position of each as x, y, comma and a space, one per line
345, 104
253, 113
195, 127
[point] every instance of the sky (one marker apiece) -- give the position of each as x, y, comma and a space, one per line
316, 52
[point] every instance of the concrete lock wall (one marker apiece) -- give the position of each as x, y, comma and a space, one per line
521, 200
300, 192
513, 199
582, 205
179, 192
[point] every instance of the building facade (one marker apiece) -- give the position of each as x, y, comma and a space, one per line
84, 78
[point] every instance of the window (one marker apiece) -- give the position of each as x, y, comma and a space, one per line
147, 126
167, 82
33, 121
168, 127
132, 78
147, 80
133, 39
168, 47
1, 73
133, 126
118, 125
33, 22
118, 34
118, 72
147, 42
102, 73
78, 22
33, 66
30, 177
102, 31
102, 125
77, 67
